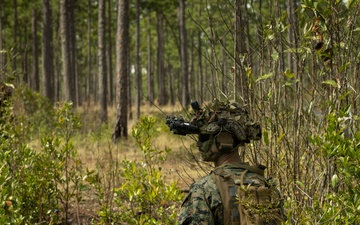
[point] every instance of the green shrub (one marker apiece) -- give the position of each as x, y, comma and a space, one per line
337, 200
37, 185
36, 111
143, 196
28, 192
340, 145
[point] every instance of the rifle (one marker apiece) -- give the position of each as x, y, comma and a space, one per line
180, 126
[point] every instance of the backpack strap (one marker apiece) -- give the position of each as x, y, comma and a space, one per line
228, 191
226, 183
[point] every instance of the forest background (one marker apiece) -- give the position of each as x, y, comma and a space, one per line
86, 72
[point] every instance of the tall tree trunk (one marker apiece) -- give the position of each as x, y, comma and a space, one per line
297, 102
240, 79
15, 35
34, 81
47, 53
122, 70
102, 62
200, 69
171, 84
191, 73
160, 58
185, 99
89, 81
25, 60
137, 68
150, 73
57, 64
65, 51
72, 53
110, 56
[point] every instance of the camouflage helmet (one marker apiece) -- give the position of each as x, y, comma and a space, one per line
223, 126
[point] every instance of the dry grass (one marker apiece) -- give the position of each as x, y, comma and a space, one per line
95, 147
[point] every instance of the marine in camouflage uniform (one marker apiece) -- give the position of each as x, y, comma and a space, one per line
203, 203
224, 127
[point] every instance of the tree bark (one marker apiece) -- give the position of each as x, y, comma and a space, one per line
110, 56
200, 69
102, 62
185, 100
65, 51
122, 70
150, 73
88, 79
34, 81
240, 80
48, 89
160, 59
72, 48
15, 34
137, 68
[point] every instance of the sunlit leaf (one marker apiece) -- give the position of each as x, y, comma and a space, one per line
334, 180
330, 82
300, 184
264, 77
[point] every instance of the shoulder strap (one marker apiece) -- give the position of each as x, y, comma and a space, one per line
227, 184
228, 192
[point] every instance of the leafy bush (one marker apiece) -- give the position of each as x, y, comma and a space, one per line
36, 111
33, 184
340, 145
143, 196
334, 196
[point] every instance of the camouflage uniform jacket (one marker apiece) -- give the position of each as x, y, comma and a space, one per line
203, 203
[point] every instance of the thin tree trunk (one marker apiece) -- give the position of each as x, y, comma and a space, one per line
88, 79
171, 84
15, 35
137, 68
122, 70
47, 53
34, 81
185, 100
102, 62
65, 51
110, 56
72, 47
240, 79
200, 69
150, 74
160, 59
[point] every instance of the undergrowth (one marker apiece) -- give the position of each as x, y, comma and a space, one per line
46, 183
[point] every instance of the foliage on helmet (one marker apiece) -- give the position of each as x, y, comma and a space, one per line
227, 116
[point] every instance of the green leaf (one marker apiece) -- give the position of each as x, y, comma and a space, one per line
288, 74
330, 82
266, 137
344, 95
280, 138
334, 180
300, 184
264, 77
275, 56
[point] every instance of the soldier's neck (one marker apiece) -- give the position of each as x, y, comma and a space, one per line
232, 157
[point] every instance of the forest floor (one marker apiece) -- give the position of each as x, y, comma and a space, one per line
179, 167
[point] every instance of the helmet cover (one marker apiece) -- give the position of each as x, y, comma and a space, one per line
223, 125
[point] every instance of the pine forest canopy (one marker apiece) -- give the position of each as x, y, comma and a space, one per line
258, 52
263, 43
253, 51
